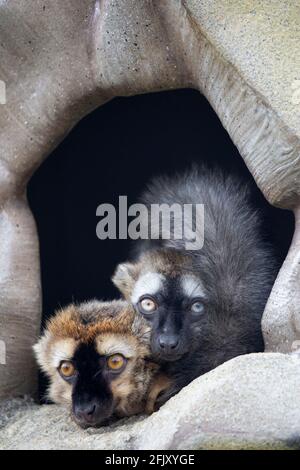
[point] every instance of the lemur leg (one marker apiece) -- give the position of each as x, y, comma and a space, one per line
160, 384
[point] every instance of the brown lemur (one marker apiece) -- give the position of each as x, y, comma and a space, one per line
204, 306
98, 361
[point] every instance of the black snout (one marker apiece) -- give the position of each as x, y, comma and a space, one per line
168, 346
168, 343
88, 412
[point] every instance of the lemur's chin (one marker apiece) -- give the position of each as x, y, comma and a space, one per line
91, 424
168, 357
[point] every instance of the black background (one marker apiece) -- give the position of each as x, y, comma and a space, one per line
115, 151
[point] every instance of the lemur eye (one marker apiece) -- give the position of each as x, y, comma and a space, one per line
116, 362
197, 307
148, 305
67, 369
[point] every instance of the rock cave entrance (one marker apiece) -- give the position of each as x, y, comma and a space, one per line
115, 151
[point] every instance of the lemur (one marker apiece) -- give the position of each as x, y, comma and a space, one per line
204, 306
98, 360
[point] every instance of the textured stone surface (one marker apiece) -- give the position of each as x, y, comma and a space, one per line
249, 402
261, 39
281, 320
59, 62
249, 69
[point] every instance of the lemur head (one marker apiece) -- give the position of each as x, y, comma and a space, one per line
163, 289
97, 357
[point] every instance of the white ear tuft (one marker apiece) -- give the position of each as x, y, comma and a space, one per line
41, 351
124, 278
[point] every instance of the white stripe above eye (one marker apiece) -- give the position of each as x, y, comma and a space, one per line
149, 283
192, 286
109, 344
62, 350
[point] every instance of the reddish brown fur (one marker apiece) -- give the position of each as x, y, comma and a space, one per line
68, 324
94, 322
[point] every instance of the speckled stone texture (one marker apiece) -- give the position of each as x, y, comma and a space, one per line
253, 82
251, 402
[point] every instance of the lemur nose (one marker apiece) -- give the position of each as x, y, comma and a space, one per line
86, 412
168, 342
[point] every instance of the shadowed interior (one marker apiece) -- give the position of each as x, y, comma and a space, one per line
116, 151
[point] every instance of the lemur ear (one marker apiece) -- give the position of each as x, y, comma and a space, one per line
124, 278
41, 352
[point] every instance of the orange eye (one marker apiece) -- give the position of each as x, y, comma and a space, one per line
116, 362
67, 369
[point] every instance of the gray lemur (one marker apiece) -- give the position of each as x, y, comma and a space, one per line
204, 306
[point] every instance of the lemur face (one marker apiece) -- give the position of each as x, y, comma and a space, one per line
97, 357
163, 289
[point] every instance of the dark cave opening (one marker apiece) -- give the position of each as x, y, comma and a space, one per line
115, 151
